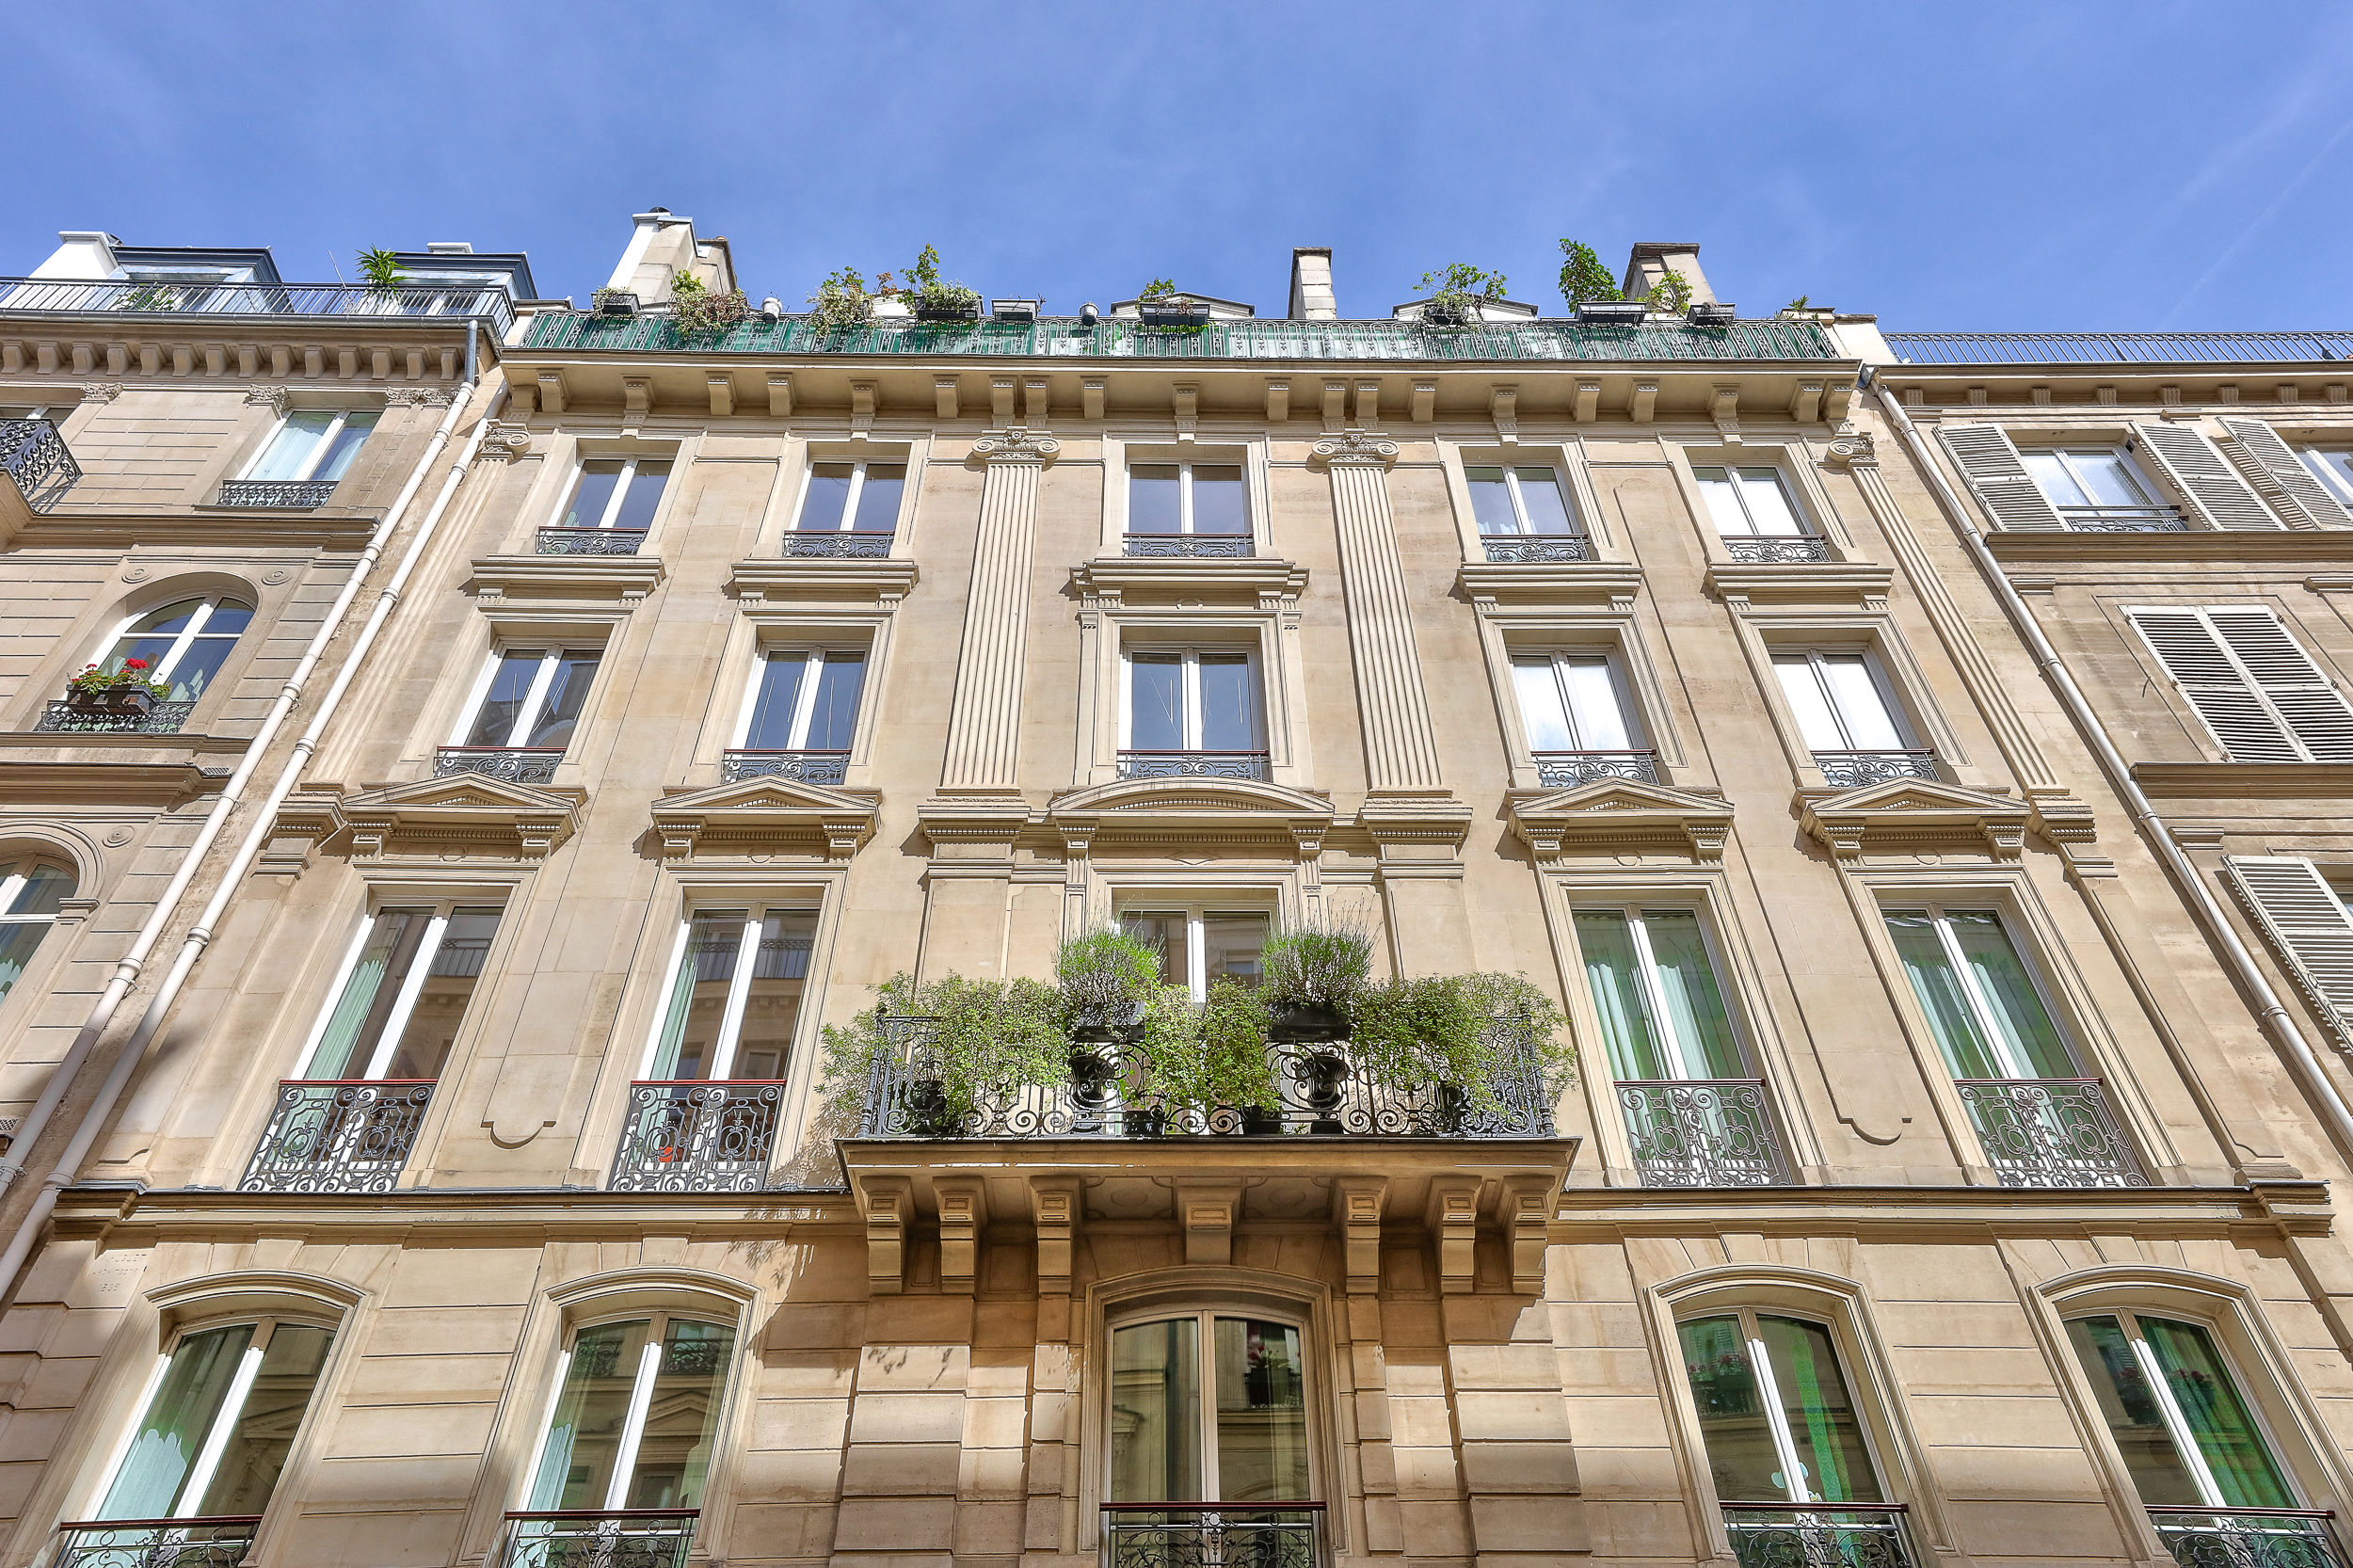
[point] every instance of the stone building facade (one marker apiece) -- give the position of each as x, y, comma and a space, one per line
414, 1028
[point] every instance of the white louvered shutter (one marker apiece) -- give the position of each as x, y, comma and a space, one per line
1989, 463
2215, 686
2310, 704
2282, 477
2204, 477
2305, 922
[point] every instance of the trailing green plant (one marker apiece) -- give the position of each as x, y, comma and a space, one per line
984, 1037
842, 300
1105, 975
1170, 1061
1326, 962
381, 268
598, 296
1235, 1069
150, 296
698, 311
1458, 289
1159, 288
1463, 1030
1583, 279
923, 288
1671, 293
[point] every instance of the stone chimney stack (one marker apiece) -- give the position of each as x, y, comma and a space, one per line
1312, 298
1653, 258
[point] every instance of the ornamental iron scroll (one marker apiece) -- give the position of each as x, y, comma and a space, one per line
809, 767
1536, 549
1209, 546
2049, 1133
1766, 549
1562, 770
1852, 770
596, 1538
36, 456
697, 1136
514, 765
1702, 1132
841, 545
215, 1541
588, 541
338, 1135
1193, 764
1212, 1535
1819, 1535
64, 718
283, 494
2247, 1537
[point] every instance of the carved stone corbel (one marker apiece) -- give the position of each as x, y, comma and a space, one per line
1054, 1210
1452, 1220
552, 392
1503, 405
863, 402
1356, 1204
963, 1216
1204, 1211
637, 398
889, 1205
1527, 1212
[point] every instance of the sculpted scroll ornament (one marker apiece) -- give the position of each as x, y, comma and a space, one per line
1853, 449
1355, 449
272, 398
505, 442
100, 392
1016, 444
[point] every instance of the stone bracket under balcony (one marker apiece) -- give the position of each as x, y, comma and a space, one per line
1913, 816
764, 816
623, 579
463, 815
927, 1202
1619, 816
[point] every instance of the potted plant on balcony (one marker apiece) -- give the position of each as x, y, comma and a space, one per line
123, 690
1160, 305
931, 298
1106, 976
1235, 1071
697, 312
1459, 288
1461, 1034
1315, 971
841, 301
984, 1042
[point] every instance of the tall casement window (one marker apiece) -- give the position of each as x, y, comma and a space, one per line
1778, 1418
1207, 1407
2094, 484
1200, 943
183, 643
1523, 514
2259, 693
32, 892
525, 706
2333, 467
616, 495
218, 1418
800, 715
1579, 719
317, 447
405, 986
2187, 1434
858, 498
1848, 718
1192, 712
634, 1418
1756, 516
1187, 509
737, 977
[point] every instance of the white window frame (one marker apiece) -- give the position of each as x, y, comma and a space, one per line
1798, 513
207, 1464
1196, 911
325, 444
1204, 1319
739, 986
411, 985
805, 702
1776, 1411
857, 493
1192, 656
657, 1324
620, 497
182, 640
1890, 700
1184, 467
2066, 456
535, 698
2322, 461
1981, 1010
1629, 711
1519, 507
1661, 1020
2169, 1410
19, 872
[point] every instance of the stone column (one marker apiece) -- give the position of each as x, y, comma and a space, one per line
1400, 753
985, 724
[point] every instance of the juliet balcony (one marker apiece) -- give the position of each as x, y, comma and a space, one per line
697, 1136
1819, 1535
1702, 1132
1563, 770
1194, 764
809, 767
2050, 1132
37, 462
338, 1135
1852, 770
1535, 548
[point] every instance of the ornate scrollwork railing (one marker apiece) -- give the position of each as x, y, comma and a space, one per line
592, 1538
2248, 1537
1537, 548
2050, 1132
1192, 765
338, 1135
2123, 520
1819, 1535
1702, 1132
64, 718
588, 541
1212, 1535
36, 456
809, 767
1562, 770
287, 494
1318, 1089
1852, 769
217, 1541
850, 544
1771, 550
697, 1136
515, 764
1214, 546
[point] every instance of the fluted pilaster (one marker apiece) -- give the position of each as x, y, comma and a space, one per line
984, 723
1400, 753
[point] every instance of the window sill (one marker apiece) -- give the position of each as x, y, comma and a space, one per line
1814, 580
2231, 781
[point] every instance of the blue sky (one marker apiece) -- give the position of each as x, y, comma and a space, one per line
2032, 167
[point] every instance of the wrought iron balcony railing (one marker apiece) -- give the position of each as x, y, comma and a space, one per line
1212, 1535
1251, 338
1702, 1132
809, 767
1228, 547
36, 456
338, 1135
2123, 520
698, 1135
515, 764
1536, 549
1819, 1535
73, 296
1774, 550
592, 1538
2050, 1132
215, 1541
845, 544
63, 718
588, 541
1562, 770
1852, 769
2130, 348
2248, 1537
1192, 765
1318, 1090
285, 495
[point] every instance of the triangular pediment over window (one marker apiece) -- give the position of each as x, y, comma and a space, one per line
1614, 816
1908, 816
765, 816
461, 814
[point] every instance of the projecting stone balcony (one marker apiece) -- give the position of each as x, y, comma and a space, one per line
1193, 764
285, 495
1213, 1535
2050, 1132
1775, 550
1221, 547
588, 541
1702, 1132
214, 1540
1536, 549
697, 1136
1819, 1535
65, 718
596, 1538
846, 544
1852, 770
37, 462
809, 767
2248, 1537
515, 764
338, 1135
1565, 770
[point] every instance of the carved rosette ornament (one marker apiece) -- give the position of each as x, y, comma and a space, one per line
100, 392
1016, 444
272, 398
504, 442
1355, 449
1854, 449
404, 398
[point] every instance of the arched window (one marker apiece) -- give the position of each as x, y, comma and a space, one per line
184, 643
31, 893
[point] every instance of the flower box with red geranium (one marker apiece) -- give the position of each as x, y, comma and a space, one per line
126, 689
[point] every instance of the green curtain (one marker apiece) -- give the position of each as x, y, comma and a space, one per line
2018, 1010
2220, 1421
1611, 973
1686, 979
339, 1042
2131, 1410
187, 1401
1822, 1420
1939, 988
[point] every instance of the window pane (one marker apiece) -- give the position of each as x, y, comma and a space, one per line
348, 1043
1156, 1413
1942, 999
18, 942
1812, 709
154, 635
1687, 982
594, 493
2054, 481
1228, 703
772, 1004
1152, 498
502, 704
265, 1427
1166, 935
2110, 479
1548, 508
1611, 970
2220, 1421
1868, 723
1218, 506
1491, 500
1593, 703
878, 503
567, 693
698, 994
1158, 703
1823, 1425
834, 719
781, 677
1769, 502
584, 1436
1232, 947
172, 1431
1741, 1460
1723, 501
46, 887
292, 446
2018, 1012
199, 661
1261, 1411
828, 496
682, 1417
2333, 469
346, 446
1541, 706
2131, 1410
645, 494
449, 985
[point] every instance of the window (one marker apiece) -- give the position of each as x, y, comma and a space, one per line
406, 985
1749, 501
2333, 468
319, 444
1523, 499
736, 981
1844, 706
183, 643
619, 493
2186, 1433
1776, 1416
529, 698
1192, 702
861, 497
2089, 484
803, 699
635, 1417
1187, 498
31, 893
2261, 695
218, 1421
1577, 714
1984, 1003
1208, 1408
1653, 984
1198, 944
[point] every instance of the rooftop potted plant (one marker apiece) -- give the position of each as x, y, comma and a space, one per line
1670, 294
381, 268
125, 689
1459, 288
932, 299
1592, 293
1160, 305
1315, 972
841, 301
612, 302
698, 311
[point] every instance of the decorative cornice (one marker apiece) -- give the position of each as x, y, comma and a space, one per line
1354, 449
402, 397
1907, 816
1614, 816
462, 814
763, 816
1016, 444
503, 443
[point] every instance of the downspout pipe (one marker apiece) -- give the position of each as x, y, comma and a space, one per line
2277, 1021
134, 960
133, 1052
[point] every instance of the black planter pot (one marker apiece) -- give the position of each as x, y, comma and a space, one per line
968, 310
1098, 1031
111, 699
927, 1109
1143, 1121
1322, 1075
1453, 1107
1258, 1120
1308, 1023
1446, 316
1091, 1075
1172, 315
